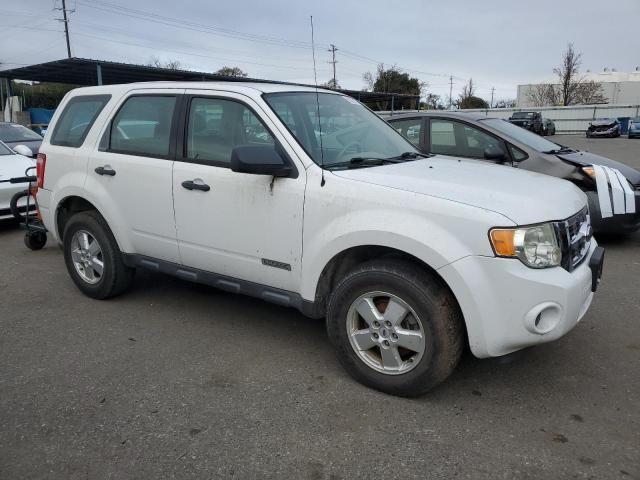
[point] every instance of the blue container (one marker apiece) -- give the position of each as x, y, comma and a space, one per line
624, 125
41, 115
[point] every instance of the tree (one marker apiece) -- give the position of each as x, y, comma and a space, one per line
40, 95
332, 84
231, 72
468, 99
540, 95
169, 64
393, 80
572, 88
433, 102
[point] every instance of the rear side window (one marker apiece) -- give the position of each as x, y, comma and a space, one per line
77, 119
142, 126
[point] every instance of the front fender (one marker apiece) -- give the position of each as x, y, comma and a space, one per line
433, 243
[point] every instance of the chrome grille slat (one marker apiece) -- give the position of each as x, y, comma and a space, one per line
575, 235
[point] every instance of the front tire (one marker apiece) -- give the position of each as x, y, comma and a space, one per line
395, 327
93, 258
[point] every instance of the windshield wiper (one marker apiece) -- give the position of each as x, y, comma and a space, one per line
361, 162
410, 156
562, 149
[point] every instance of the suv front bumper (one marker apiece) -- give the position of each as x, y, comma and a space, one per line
508, 306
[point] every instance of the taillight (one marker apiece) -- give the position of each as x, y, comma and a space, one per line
41, 162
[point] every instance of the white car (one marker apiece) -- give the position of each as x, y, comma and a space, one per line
408, 256
12, 165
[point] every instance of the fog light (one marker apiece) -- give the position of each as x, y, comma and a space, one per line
543, 318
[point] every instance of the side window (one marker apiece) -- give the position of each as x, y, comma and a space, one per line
517, 154
216, 126
443, 139
410, 129
77, 119
460, 139
143, 126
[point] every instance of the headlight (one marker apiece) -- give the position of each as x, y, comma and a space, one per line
589, 171
536, 247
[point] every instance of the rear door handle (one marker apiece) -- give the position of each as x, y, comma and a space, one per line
196, 185
105, 170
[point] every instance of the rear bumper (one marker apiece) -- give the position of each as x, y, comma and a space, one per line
508, 306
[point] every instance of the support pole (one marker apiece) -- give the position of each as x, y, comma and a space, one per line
99, 73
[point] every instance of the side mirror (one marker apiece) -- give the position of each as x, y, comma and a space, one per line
259, 160
494, 153
23, 150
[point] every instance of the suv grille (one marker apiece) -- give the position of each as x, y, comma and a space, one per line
575, 238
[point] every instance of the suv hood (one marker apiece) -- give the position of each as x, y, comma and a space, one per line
523, 197
587, 158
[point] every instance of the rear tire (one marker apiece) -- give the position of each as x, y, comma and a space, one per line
381, 289
93, 258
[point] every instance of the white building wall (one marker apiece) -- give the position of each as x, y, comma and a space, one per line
619, 88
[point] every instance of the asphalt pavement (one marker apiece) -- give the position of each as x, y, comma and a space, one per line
175, 380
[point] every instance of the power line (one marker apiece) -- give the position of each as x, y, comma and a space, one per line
186, 53
169, 21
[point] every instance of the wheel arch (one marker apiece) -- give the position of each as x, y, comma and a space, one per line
344, 261
74, 203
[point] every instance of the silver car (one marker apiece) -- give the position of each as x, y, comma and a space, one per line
12, 165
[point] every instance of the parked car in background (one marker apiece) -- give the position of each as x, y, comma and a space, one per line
408, 257
493, 140
12, 165
606, 127
548, 127
529, 121
634, 127
14, 134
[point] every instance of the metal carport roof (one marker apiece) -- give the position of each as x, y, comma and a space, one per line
82, 71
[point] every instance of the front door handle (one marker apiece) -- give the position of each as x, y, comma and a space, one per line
196, 185
105, 170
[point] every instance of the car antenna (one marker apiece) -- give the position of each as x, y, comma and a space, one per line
315, 79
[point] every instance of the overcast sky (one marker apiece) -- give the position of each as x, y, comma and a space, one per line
500, 43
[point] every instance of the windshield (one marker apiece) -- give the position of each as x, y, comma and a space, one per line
349, 130
521, 135
4, 150
522, 115
12, 132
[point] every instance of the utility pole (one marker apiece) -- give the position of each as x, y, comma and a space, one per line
493, 89
333, 51
450, 91
65, 20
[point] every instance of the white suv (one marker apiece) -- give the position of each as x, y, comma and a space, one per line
307, 199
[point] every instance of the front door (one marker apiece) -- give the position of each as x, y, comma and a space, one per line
460, 139
240, 225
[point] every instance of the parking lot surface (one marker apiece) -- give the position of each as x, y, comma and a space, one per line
175, 380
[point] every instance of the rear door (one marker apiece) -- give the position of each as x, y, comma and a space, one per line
239, 225
131, 172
